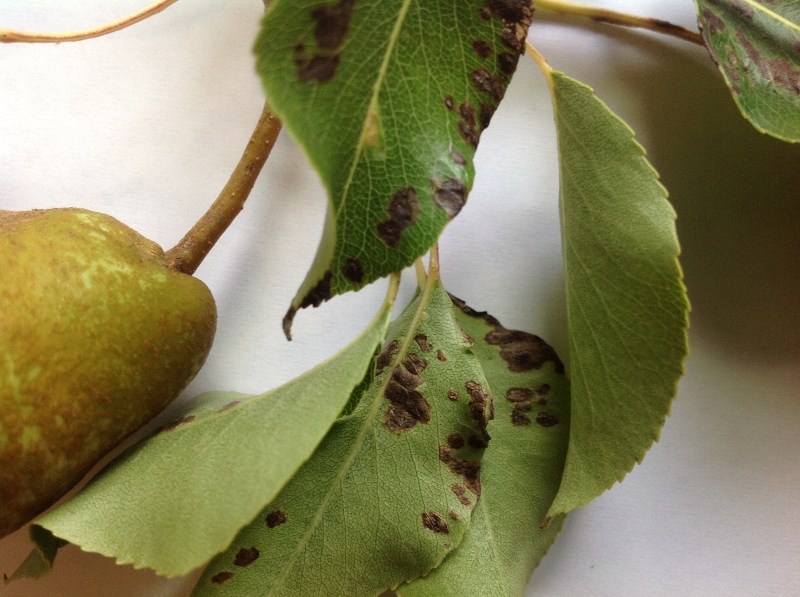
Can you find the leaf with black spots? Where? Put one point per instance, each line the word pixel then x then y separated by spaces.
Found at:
pixel 520 473
pixel 174 501
pixel 387 494
pixel 756 46
pixel 388 98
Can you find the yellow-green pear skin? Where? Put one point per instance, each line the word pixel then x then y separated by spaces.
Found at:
pixel 97 335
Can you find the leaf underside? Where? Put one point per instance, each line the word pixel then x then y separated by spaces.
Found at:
pixel 521 468
pixel 174 501
pixel 756 46
pixel 626 304
pixel 40 561
pixel 388 98
pixel 383 499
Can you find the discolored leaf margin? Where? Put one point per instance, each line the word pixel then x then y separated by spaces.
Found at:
pixel 626 303
pixel 521 468
pixel 757 49
pixel 390 490
pixel 388 98
pixel 174 501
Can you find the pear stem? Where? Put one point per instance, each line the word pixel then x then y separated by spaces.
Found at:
pixel 189 253
pixel 10 36
pixel 613 17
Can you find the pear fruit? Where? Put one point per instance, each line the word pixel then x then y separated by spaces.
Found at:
pixel 97 335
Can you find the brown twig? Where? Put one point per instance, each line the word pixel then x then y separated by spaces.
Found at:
pixel 11 36
pixel 189 253
pixel 613 17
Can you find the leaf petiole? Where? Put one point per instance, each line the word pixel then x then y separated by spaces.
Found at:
pixel 11 36
pixel 613 17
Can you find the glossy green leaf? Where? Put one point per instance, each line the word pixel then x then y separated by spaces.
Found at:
pixel 384 498
pixel 756 45
pixel 521 468
pixel 40 561
pixel 626 304
pixel 177 499
pixel 388 98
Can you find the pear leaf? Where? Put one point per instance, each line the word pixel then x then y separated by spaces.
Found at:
pixel 756 46
pixel 40 561
pixel 626 303
pixel 384 498
pixel 174 501
pixel 521 469
pixel 388 98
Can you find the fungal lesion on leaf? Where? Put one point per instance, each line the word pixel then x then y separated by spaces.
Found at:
pixel 403 210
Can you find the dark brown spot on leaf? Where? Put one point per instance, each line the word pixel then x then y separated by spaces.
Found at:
pixel 520 398
pixel 512 11
pixel 543 389
pixel 451 196
pixel 449 103
pixel 485 82
pixel 174 424
pixel 461 494
pixel 246 556
pixel 441 356
pixel 743 9
pixel 458 157
pixel 777 70
pixel 715 24
pixel 445 454
pixel 519 418
pixel 321 68
pixel 455 515
pixel 523 351
pixel 455 441
pixel 487 111
pixel 333 21
pixel 433 521
pixel 509 38
pixel 300 46
pixel 385 358
pixel 276 518
pixel 407 406
pixel 353 270
pixel 546 419
pixel 507 62
pixel 453 395
pixel 221 578
pixel 415 364
pixel 320 293
pixel 484 13
pixel 402 210
pixel 471 473
pixel 422 342
pixel 230 405
pixel 476 442
pixel 467 125
pixel 482 48
pixel 477 403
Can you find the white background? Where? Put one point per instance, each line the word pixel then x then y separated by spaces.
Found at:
pixel 147 124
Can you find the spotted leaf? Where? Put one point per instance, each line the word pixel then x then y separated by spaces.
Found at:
pixel 756 45
pixel 521 469
pixel 388 98
pixel 390 490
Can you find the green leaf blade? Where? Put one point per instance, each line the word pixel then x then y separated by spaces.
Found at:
pixel 756 46
pixel 626 304
pixel 521 472
pixel 174 501
pixel 388 98
pixel 384 498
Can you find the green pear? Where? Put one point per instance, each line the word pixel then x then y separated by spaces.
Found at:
pixel 97 335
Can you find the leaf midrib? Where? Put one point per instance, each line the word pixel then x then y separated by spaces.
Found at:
pixel 781 19
pixel 373 103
